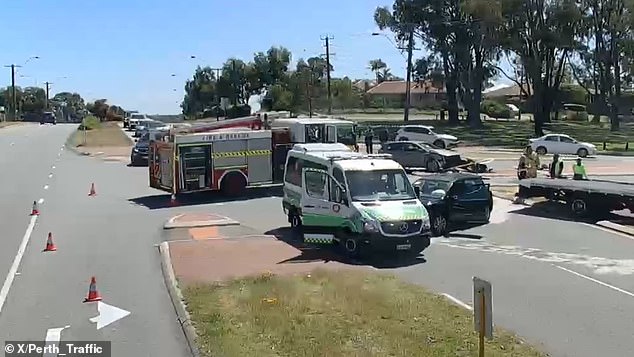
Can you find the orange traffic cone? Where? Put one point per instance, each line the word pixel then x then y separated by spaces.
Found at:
pixel 92 192
pixel 34 210
pixel 50 246
pixel 93 294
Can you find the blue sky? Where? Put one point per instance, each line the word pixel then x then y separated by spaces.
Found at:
pixel 126 50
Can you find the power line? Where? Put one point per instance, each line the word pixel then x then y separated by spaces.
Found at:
pixel 328 67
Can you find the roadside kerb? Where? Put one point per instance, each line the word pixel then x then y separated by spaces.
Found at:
pixel 616 227
pixel 177 299
pixel 191 220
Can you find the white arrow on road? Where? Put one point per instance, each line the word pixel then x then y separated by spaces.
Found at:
pixel 108 314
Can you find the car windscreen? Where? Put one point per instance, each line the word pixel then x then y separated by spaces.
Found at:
pixel 471 189
pixel 379 185
pixel 429 186
pixel 137 116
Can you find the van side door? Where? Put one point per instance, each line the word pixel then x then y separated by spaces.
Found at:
pixel 321 217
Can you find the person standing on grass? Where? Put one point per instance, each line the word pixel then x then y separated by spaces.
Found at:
pixel 579 171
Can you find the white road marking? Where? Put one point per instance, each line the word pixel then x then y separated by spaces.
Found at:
pixel 53 167
pixel 59 154
pixel 107 315
pixel 599 265
pixel 46 187
pixel 458 302
pixel 597 281
pixel 50 175
pixel 11 144
pixel 53 336
pixel 16 262
pixel 608 230
pixel 40 201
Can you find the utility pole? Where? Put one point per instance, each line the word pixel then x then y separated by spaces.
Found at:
pixel 48 84
pixel 235 82
pixel 328 67
pixel 408 83
pixel 14 99
pixel 309 92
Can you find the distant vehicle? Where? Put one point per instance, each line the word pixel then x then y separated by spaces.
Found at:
pixel 427 135
pixel 454 198
pixel 134 120
pixel 561 144
pixel 148 124
pixel 48 118
pixel 412 154
pixel 139 154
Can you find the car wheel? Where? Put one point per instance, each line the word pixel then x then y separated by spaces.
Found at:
pixel 432 166
pixel 579 207
pixel 541 150
pixel 438 225
pixel 582 152
pixel 351 247
pixel 439 144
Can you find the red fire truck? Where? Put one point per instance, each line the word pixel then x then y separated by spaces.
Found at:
pixel 230 155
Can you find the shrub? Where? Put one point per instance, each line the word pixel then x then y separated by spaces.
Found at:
pixel 495 109
pixel 89 123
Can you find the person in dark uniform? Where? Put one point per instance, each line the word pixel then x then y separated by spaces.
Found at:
pixel 369 138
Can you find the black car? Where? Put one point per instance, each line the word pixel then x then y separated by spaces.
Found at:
pixel 139 154
pixel 48 118
pixel 453 199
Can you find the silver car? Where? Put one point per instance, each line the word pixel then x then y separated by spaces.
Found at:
pixel 419 155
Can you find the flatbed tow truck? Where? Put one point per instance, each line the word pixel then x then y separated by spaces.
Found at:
pixel 585 197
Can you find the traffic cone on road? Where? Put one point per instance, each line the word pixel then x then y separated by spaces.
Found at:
pixel 50 246
pixel 92 192
pixel 35 211
pixel 93 294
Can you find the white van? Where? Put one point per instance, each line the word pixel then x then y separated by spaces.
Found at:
pixel 363 202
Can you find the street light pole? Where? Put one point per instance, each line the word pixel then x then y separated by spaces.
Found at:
pixel 14 100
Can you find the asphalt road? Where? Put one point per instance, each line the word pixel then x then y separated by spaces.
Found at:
pixel 106 236
pixel 565 286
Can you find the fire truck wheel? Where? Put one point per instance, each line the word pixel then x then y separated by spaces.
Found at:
pixel 233 184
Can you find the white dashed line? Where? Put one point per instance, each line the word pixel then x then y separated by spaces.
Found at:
pixel 11 144
pixel 458 302
pixel 630 294
pixel 40 201
pixel 59 154
pixel 46 187
pixel 53 167
pixel 50 175
pixel 13 271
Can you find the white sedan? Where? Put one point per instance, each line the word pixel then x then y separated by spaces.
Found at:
pixel 562 144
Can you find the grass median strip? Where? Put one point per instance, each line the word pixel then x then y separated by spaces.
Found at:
pixel 335 313
pixel 515 134
pixel 99 134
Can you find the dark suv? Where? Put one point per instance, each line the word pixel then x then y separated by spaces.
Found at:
pixel 454 198
pixel 48 118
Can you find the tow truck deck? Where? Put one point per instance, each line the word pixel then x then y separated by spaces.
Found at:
pixel 584 196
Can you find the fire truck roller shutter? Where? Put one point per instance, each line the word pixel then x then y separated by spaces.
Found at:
pixel 230 153
pixel 259 160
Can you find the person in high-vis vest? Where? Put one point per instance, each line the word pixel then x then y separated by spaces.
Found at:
pixel 579 171
pixel 556 167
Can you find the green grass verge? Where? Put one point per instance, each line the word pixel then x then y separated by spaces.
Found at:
pixel 515 134
pixel 335 313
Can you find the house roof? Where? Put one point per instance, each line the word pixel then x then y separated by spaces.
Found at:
pixel 399 87
pixel 508 91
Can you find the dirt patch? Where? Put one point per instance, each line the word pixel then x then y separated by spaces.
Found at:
pixel 4 124
pixel 108 140
pixel 504 192
pixel 217 260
